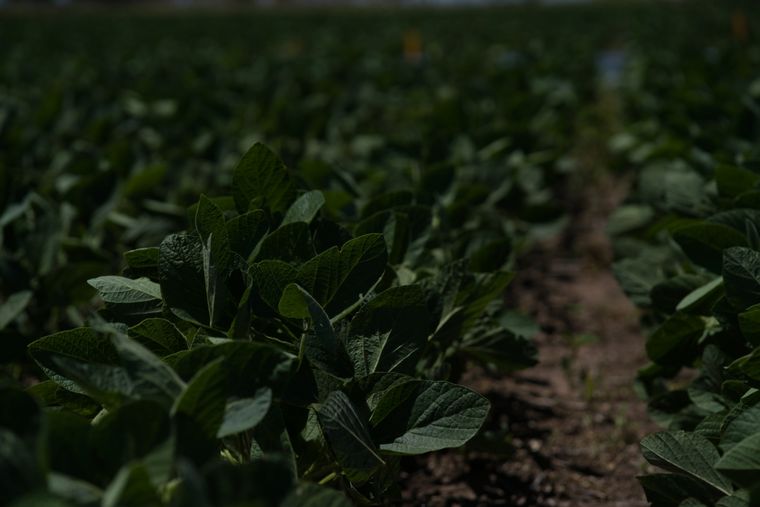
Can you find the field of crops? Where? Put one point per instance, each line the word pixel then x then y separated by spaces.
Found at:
pixel 335 257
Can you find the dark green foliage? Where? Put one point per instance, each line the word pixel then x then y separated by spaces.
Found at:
pixel 316 366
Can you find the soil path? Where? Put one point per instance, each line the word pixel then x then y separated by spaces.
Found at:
pixel 575 419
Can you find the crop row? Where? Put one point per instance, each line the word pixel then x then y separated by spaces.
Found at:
pixel 687 245
pixel 191 318
pixel 265 335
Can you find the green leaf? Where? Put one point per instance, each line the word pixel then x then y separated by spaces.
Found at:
pixel 141 427
pixel 70 448
pixel 263 483
pixel 19 470
pixel 740 426
pixel 216 254
pixel 131 487
pixel 387 201
pixel 733 501
pixel 271 277
pixel 667 294
pixel 737 218
pixel 308 494
pixel 159 336
pixel 305 208
pixel 209 219
pixel 244 414
pixel 686 453
pixel 628 218
pixel 20 414
pixel 13 306
pixel 424 416
pixel 109 368
pixel 182 277
pixel 477 295
pixel 204 399
pixel 691 502
pixel 749 323
pixel 77 491
pixel 749 364
pixel 40 499
pixel 94 352
pixel 348 437
pixel 705 242
pixel 250 365
pixel 120 290
pixel 733 181
pixel 389 333
pixel 742 462
pixel 149 377
pixel 741 272
pixel 290 242
pixel 338 278
pixel 674 342
pixel 246 230
pixel 502 348
pixel 322 347
pixel 128 299
pixel 491 256
pixel 141 262
pixel 142 258
pixel 261 174
pixel 700 300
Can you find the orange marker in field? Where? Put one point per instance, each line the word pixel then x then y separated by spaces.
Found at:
pixel 412 46
pixel 740 26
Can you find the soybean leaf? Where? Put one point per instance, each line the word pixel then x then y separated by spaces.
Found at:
pixel 742 462
pixel 19 471
pixel 142 258
pixel 131 487
pixel 271 277
pixel 749 323
pixel 424 416
pixel 290 242
pixel 203 400
pixel 741 272
pixel 13 307
pixel 732 180
pixel 120 290
pixel 244 414
pixel 264 482
pixel 127 298
pixel 181 274
pixel 246 230
pixel 348 437
pixel 688 454
pixel 199 411
pixel 159 336
pixel 705 242
pixel 337 278
pixel 389 332
pixel 150 378
pixel 673 343
pixel 321 347
pixel 741 426
pixel 502 348
pixel 308 494
pixel 261 174
pixel 78 355
pixel 141 426
pixel 142 262
pixel 249 365
pixel 305 208
pixel 700 300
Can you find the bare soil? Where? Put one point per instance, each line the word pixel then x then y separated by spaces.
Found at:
pixel 575 419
